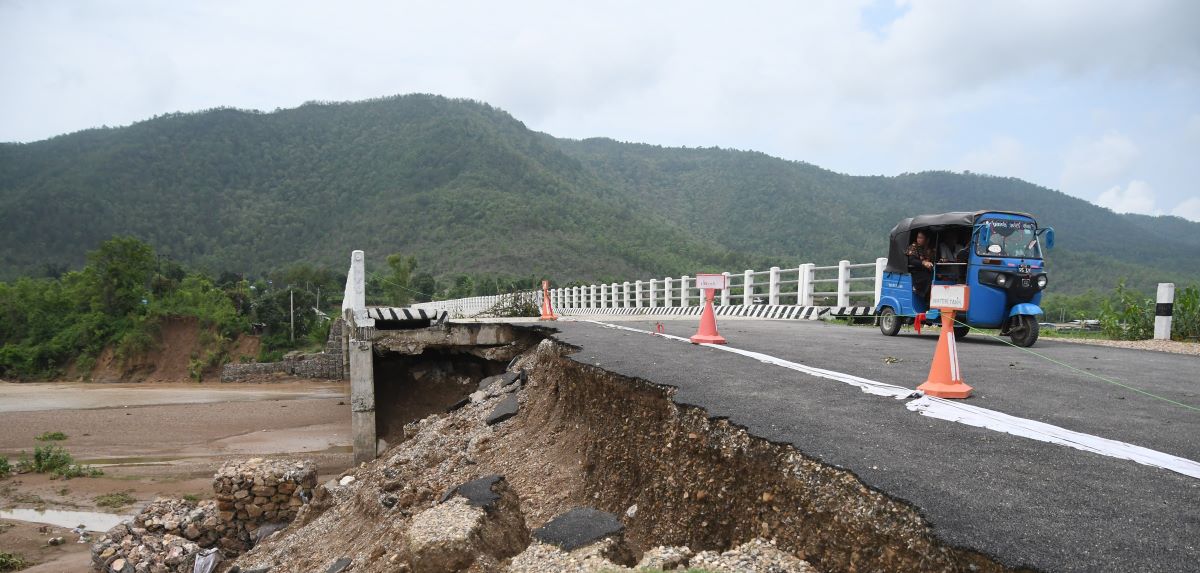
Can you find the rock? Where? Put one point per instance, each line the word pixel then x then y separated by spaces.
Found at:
pixel 118 565
pixel 477 397
pixel 665 558
pixel 459 404
pixel 506 409
pixel 56 541
pixel 191 532
pixel 453 535
pixel 263 490
pixel 339 565
pixel 579 527
pixel 346 481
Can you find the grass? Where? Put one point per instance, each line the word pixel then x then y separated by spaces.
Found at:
pixel 51 437
pixel 5 468
pixel 191 497
pixel 11 562
pixel 114 500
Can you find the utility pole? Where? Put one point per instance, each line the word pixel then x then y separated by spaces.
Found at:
pixel 292 312
pixel 318 297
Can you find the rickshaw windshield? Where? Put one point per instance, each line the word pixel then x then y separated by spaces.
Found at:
pixel 1010 238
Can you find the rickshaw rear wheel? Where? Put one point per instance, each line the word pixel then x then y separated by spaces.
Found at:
pixel 1024 330
pixel 889 323
pixel 961 331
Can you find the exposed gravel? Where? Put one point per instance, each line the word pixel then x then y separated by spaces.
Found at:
pixel 1173 346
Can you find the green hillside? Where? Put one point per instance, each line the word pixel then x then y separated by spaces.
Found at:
pixel 467 188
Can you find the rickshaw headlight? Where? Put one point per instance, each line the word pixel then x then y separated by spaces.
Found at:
pixel 1001 279
pixel 1041 281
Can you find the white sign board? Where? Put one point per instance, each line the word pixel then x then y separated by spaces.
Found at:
pixel 948 297
pixel 711 281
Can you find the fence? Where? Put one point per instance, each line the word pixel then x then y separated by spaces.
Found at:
pixel 842 285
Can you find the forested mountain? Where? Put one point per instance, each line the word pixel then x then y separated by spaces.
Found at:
pixel 466 187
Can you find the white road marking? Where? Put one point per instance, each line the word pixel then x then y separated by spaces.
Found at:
pixel 962 413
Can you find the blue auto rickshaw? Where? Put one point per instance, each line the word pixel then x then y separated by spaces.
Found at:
pixel 997 254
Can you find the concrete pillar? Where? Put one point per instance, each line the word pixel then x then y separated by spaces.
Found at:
pixel 747 287
pixel 773 287
pixel 725 291
pixel 594 291
pixel 625 290
pixel 1163 311
pixel 356 280
pixel 880 265
pixel 637 294
pixel 667 282
pixel 843 292
pixel 805 292
pixel 684 285
pixel 653 294
pixel 603 296
pixel 362 400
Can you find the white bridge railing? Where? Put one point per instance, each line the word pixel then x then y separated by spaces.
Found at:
pixel 842 285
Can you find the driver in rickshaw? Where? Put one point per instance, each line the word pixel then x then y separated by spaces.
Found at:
pixel 920 266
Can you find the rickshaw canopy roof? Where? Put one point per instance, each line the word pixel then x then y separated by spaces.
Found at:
pixel 898 243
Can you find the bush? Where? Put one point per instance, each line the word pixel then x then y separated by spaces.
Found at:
pixel 5 469
pixel 515 304
pixel 1185 322
pixel 53 459
pixel 1128 316
pixel 51 437
pixel 11 562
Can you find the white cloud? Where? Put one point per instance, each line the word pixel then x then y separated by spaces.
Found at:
pixel 1137 197
pixel 1188 209
pixel 1004 156
pixel 1097 163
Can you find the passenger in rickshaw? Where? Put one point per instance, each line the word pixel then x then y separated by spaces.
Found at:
pixel 920 266
pixel 952 256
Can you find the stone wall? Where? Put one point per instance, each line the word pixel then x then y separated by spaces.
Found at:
pixel 329 364
pixel 257 492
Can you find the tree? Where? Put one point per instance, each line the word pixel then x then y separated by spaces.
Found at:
pixel 116 280
pixel 398 283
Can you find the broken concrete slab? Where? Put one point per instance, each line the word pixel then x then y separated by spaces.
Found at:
pixel 506 409
pixel 504 380
pixel 579 527
pixel 457 533
pixel 479 493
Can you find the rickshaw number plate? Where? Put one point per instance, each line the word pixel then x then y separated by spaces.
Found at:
pixel 948 297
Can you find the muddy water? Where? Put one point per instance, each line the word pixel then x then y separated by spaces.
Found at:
pixel 78 396
pixel 90 520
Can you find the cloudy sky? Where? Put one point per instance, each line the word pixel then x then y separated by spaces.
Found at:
pixel 1097 98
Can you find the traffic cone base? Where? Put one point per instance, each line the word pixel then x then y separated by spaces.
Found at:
pixel 707 333
pixel 945 379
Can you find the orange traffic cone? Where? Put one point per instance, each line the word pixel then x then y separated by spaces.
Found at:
pixel 707 334
pixel 547 310
pixel 945 380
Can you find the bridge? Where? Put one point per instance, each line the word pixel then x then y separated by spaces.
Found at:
pixel 1068 457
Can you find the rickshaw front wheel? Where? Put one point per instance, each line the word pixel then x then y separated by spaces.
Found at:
pixel 889 323
pixel 961 331
pixel 1024 330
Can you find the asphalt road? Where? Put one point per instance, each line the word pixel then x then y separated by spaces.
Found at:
pixel 1025 503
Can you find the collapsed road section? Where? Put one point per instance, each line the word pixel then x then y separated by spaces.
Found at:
pixel 535 437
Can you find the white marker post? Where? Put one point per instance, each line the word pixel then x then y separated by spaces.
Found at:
pixel 1163 311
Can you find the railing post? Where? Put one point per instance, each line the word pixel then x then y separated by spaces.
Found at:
pixel 805 291
pixel 773 287
pixel 880 265
pixel 614 300
pixel 653 294
pixel 747 287
pixel 667 292
pixel 575 297
pixel 625 290
pixel 843 292
pixel 637 294
pixel 724 291
pixel 603 296
pixel 594 292
pixel 1163 311
pixel 683 290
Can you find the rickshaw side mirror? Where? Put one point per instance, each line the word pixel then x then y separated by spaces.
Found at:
pixel 1049 236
